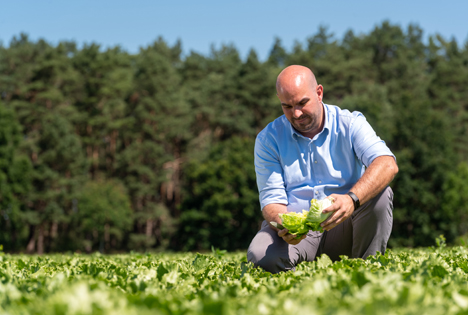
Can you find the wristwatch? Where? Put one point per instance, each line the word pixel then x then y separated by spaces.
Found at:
pixel 356 202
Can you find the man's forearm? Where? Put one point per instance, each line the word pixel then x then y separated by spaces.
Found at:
pixel 270 212
pixel 376 177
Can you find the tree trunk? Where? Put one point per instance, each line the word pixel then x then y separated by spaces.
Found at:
pixel 53 230
pixel 106 236
pixel 32 240
pixel 40 241
pixel 149 228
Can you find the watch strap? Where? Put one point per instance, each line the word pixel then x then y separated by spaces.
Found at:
pixel 355 198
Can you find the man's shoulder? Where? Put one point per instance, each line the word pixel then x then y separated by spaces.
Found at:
pixel 339 116
pixel 277 128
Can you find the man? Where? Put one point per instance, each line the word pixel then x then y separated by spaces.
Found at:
pixel 316 151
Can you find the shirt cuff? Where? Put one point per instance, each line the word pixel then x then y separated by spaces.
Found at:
pixel 273 196
pixel 376 150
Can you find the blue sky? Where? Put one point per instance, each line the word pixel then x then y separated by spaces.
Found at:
pixel 200 24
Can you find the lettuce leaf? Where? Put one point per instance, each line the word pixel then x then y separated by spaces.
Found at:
pixel 315 215
pixel 300 223
pixel 295 222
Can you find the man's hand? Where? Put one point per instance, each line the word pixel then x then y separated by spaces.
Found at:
pixel 270 213
pixel 376 177
pixel 289 238
pixel 343 207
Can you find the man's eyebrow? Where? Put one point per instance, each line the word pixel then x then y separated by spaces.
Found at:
pixel 304 100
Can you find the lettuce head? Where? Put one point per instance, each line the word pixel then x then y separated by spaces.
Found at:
pixel 295 222
pixel 315 215
pixel 300 223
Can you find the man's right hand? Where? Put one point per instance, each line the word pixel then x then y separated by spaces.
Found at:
pixel 289 238
pixel 270 213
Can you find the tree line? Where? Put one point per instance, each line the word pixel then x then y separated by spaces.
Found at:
pixel 105 150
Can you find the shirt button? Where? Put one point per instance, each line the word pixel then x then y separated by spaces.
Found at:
pixel 315 162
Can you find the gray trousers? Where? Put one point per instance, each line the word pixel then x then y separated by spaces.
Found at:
pixel 363 234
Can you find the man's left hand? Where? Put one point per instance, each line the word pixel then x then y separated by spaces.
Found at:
pixel 343 207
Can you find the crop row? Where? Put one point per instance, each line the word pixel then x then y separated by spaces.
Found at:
pixel 417 281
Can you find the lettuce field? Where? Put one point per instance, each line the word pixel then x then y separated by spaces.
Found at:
pixel 410 281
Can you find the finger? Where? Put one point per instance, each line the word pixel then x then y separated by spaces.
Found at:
pixel 283 232
pixel 330 224
pixel 295 240
pixel 333 207
pixel 332 197
pixel 332 220
pixel 337 221
pixel 290 238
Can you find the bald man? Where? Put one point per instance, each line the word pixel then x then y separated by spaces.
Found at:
pixel 316 151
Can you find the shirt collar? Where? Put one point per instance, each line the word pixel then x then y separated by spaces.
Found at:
pixel 326 127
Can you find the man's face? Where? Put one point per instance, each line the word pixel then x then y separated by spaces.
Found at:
pixel 302 106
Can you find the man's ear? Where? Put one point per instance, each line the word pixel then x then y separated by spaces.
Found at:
pixel 319 91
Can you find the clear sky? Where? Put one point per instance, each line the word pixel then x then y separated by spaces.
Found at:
pixel 202 23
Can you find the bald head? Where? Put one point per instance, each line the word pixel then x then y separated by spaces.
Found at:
pixel 301 99
pixel 294 78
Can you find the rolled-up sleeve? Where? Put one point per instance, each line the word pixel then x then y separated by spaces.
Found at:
pixel 367 145
pixel 269 172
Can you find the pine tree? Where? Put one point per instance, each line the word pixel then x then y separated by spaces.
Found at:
pixel 15 182
pixel 154 144
pixel 221 206
pixel 43 84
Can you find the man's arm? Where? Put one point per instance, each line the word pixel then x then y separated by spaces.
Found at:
pixel 271 213
pixel 376 177
pixel 270 183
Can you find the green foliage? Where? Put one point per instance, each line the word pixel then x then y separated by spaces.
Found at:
pixel 221 207
pixel 454 208
pixel 440 241
pixel 102 215
pixel 15 181
pixel 421 281
pixel 177 131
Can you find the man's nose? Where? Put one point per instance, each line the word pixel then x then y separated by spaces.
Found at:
pixel 297 112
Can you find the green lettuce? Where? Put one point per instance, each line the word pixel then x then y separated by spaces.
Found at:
pixel 300 223
pixel 315 215
pixel 295 222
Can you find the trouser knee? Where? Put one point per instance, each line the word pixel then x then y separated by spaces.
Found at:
pixel 271 263
pixel 381 205
pixel 272 259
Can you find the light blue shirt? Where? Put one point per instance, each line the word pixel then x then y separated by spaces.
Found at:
pixel 293 169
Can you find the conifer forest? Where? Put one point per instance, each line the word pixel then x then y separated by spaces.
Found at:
pixel 103 150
